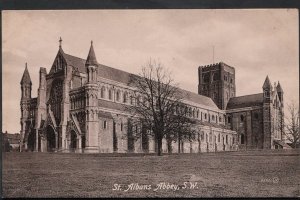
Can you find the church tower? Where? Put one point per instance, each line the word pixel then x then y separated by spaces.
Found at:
pixel 281 109
pixel 280 93
pixel 217 81
pixel 91 89
pixel 267 113
pixel 26 87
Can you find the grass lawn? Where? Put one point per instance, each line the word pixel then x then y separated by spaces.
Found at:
pixel 223 174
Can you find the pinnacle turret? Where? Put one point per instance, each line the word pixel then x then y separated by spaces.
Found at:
pixel 91 59
pixel 26 77
pixel 267 84
pixel 278 88
pixel 60 45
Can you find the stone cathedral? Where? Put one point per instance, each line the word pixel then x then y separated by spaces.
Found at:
pixel 81 103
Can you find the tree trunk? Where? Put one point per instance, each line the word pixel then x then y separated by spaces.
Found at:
pixel 159 148
pixel 170 147
pixel 179 144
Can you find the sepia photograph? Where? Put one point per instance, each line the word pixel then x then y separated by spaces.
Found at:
pixel 150 103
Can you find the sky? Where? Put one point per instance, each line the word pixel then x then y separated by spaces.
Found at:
pixel 256 42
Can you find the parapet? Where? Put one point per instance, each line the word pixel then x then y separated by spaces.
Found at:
pixel 210 65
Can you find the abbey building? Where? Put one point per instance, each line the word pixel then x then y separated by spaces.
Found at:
pixel 81 103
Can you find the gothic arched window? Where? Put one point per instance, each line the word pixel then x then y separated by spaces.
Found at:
pixel 216 76
pixel 242 139
pixel 242 118
pixel 229 119
pixel 110 94
pixel 102 92
pixel 118 95
pixel 56 96
pixel 131 100
pixel 125 96
pixel 206 77
pixel 226 139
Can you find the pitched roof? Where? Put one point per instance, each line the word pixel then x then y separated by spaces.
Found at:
pixel 111 105
pixel 213 125
pixel 26 77
pixel 105 115
pixel 126 78
pixel 115 74
pixel 196 98
pixel 91 59
pixel 245 101
pixel 267 83
pixel 75 62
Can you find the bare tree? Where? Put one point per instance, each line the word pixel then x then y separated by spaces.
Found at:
pixel 292 125
pixel 158 110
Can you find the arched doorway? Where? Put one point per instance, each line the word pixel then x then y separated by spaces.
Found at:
pixel 31 141
pixel 50 135
pixel 73 143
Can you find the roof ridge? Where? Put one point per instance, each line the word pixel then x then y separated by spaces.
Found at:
pixel 247 95
pixel 74 56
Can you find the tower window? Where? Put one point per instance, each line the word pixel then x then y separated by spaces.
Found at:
pixel 242 118
pixel 205 116
pixel 220 119
pixel 216 76
pixel 267 94
pixel 104 124
pixel 229 119
pixel 255 115
pixel 242 139
pixel 206 77
pixel 231 80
